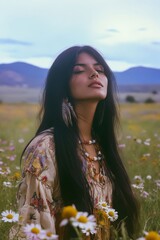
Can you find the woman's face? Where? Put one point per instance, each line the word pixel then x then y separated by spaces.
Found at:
pixel 88 81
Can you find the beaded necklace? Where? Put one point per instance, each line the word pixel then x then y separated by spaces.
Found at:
pixel 86 154
pixel 99 178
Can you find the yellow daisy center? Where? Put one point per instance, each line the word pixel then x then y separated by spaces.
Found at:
pixel 104 204
pixel 111 214
pixel 35 230
pixel 49 234
pixel 17 175
pixel 137 181
pixel 102 214
pixel 69 212
pixel 9 216
pixel 153 236
pixel 83 219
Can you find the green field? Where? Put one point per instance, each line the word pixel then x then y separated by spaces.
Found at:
pixel 139 143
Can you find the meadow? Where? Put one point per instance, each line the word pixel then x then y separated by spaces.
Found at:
pixel 139 144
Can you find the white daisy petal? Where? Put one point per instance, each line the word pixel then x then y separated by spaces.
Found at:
pixel 10 216
pixel 64 222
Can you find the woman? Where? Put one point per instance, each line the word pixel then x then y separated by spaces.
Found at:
pixel 73 159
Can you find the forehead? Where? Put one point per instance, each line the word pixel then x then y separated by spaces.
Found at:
pixel 85 58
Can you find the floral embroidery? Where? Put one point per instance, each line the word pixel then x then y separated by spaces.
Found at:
pixel 32 216
pixel 44 179
pixel 37 202
pixel 54 207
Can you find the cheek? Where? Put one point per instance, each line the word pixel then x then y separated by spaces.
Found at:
pixel 75 88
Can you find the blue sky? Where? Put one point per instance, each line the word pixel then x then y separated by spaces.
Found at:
pixel 126 32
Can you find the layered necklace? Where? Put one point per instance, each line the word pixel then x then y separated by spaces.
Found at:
pixel 98 177
pixel 85 154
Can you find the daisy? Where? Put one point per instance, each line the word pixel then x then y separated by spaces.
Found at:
pixel 103 205
pixel 85 222
pixel 87 232
pixel 144 194
pixel 152 235
pixel 7 184
pixel 48 235
pixel 68 213
pixel 148 177
pixel 138 186
pixel 112 214
pixel 21 140
pixel 32 231
pixel 10 216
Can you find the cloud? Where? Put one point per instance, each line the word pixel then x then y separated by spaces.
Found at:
pixel 112 30
pixel 134 53
pixel 156 43
pixel 142 29
pixel 10 41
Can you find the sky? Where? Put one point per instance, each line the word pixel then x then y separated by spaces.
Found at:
pixel 125 32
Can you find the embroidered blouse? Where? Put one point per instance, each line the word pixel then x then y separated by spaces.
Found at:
pixel 39 196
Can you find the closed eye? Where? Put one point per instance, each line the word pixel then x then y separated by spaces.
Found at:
pixel 100 70
pixel 77 71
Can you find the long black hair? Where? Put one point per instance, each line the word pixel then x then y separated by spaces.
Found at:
pixel 73 185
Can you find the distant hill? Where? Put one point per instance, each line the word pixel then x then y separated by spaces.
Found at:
pixel 26 75
pixel 22 74
pixel 138 75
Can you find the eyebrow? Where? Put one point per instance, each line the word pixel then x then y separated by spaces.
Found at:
pixel 83 64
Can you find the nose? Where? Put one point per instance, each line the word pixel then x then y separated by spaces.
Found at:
pixel 93 74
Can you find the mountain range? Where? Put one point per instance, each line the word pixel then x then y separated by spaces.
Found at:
pixel 26 75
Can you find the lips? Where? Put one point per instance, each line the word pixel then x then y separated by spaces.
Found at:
pixel 95 84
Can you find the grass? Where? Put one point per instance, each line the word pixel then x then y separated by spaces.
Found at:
pixel 139 146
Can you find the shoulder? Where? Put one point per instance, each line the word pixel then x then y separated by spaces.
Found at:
pixel 42 140
pixel 39 153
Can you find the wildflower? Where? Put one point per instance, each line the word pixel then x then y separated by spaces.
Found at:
pixel 128 137
pixel 87 232
pixel 83 221
pixel 12 158
pixel 7 184
pixel 157 183
pixel 152 235
pixel 2 150
pixel 144 194
pixel 48 235
pixel 16 176
pixel 103 205
pixel 139 186
pixel 11 148
pixel 112 214
pixel 146 154
pixel 17 167
pixel 147 141
pixel 149 177
pixel 138 182
pixel 138 179
pixel 68 213
pixel 5 171
pixel 21 140
pixel 101 216
pixel 32 231
pixel 138 140
pixel 10 216
pixel 122 145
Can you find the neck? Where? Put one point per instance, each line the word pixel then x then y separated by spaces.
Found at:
pixel 85 113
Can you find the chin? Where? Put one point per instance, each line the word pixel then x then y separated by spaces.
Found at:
pixel 100 97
